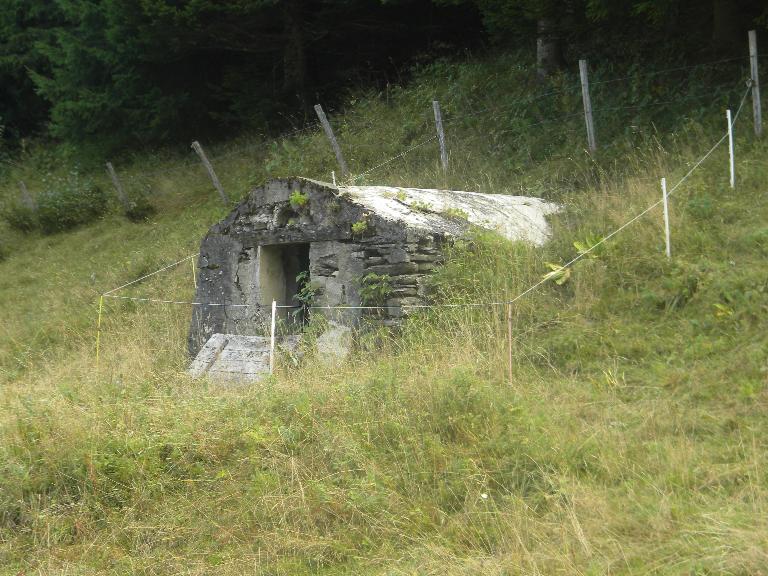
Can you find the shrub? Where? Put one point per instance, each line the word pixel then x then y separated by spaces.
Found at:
pixel 298 200
pixel 69 203
pixel 456 213
pixel 360 227
pixel 375 289
pixel 21 218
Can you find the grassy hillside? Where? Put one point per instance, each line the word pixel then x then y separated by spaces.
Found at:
pixel 630 440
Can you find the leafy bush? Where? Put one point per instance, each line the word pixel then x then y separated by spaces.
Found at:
pixel 20 217
pixel 69 202
pixel 298 200
pixel 360 227
pixel 375 289
pixel 456 213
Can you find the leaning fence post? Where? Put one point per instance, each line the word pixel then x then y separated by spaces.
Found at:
pixel 272 339
pixel 591 140
pixel 665 198
pixel 440 134
pixel 730 148
pixel 118 186
pixel 26 198
pixel 332 137
pixel 215 179
pixel 756 109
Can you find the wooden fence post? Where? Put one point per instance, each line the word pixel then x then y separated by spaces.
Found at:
pixel 215 179
pixel 591 140
pixel 118 186
pixel 26 198
pixel 332 137
pixel 756 109
pixel 440 134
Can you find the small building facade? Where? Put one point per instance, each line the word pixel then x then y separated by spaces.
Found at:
pixel 295 233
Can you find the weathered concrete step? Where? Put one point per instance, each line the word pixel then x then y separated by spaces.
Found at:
pixel 235 358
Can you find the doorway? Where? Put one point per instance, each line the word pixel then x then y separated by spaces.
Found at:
pixel 283 272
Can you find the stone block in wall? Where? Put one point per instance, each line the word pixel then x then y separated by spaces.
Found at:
pixel 394 269
pixel 423 257
pixel 406 280
pixel 396 256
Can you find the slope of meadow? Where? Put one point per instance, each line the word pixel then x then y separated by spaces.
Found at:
pixel 631 438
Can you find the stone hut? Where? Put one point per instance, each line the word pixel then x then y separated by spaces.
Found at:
pixel 293 231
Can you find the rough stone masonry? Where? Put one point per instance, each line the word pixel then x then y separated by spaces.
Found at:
pixel 296 232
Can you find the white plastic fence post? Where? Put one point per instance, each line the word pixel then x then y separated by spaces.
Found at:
pixel 666 216
pixel 756 109
pixel 215 179
pixel 591 140
pixel 730 148
pixel 440 134
pixel 272 339
pixel 332 137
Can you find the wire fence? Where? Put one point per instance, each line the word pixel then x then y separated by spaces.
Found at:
pixel 398 309
pixel 460 112
pixel 570 263
pixel 520 122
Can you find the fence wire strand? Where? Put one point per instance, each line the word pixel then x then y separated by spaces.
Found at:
pixel 513 300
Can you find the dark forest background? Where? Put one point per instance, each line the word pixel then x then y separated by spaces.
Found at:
pixel 147 72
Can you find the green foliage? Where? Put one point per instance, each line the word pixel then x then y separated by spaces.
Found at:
pixel 298 200
pixel 69 202
pixel 701 207
pixel 421 206
pixel 104 73
pixel 558 273
pixel 360 227
pixel 307 291
pixel 375 289
pixel 592 246
pixel 420 454
pixel 680 284
pixel 21 217
pixel 457 213
pixel 23 24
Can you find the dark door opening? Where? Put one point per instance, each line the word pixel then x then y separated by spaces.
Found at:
pixel 283 277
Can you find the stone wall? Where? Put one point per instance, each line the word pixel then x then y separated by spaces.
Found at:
pixel 230 271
